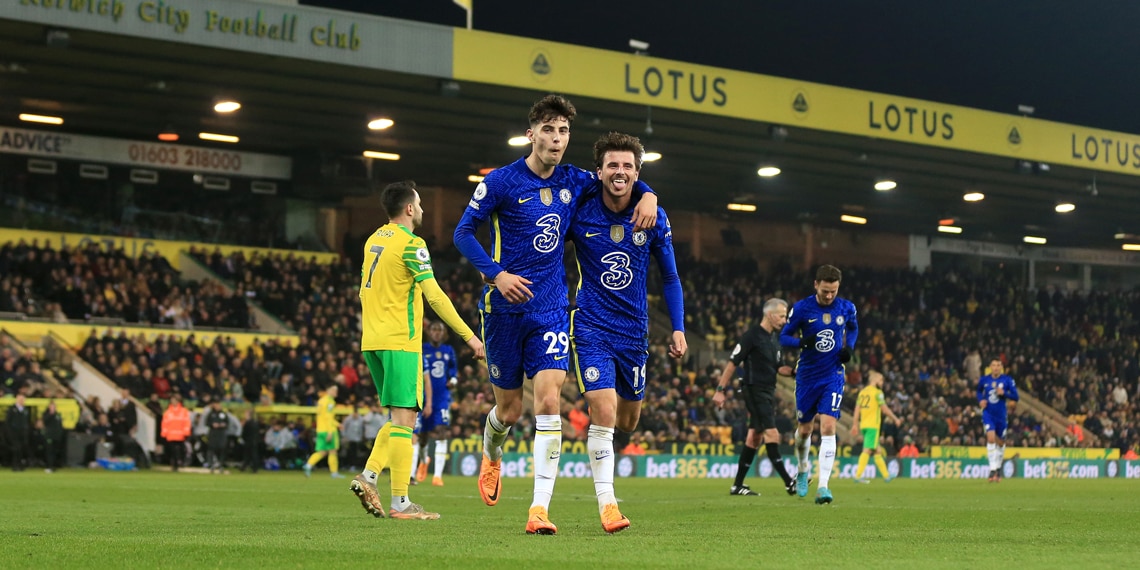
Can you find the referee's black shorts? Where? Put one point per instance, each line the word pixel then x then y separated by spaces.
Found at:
pixel 761 404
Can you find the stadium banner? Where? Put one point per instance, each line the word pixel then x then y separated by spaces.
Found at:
pixel 979 452
pixel 300 32
pixel 1060 468
pixel 162 156
pixel 68 409
pixel 639 79
pixel 134 246
pixel 76 334
pixel 657 466
pixel 1126 468
pixel 466 463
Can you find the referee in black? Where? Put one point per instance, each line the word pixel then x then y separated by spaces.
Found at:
pixel 760 349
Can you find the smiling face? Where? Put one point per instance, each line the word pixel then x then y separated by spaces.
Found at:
pixel 618 173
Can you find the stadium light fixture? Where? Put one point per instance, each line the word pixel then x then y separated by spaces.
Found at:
pixel 474 178
pixel 45 119
pixel 380 124
pixel 168 134
pixel 218 137
pixel 742 207
pixel 1034 240
pixel 520 140
pixel 1130 247
pixel 885 185
pixel 651 157
pixel 486 171
pixel 768 171
pixel 950 229
pixel 1064 207
pixel 381 155
pixel 973 196
pixel 226 106
pixel 852 219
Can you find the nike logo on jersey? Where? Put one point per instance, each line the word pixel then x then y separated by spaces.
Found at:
pixel 560 357
pixel 525 200
pixel 589 235
pixel 812 320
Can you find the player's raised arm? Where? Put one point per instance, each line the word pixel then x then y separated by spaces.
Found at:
pixel 646 212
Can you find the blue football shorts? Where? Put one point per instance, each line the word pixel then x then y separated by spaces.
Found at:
pixel 519 345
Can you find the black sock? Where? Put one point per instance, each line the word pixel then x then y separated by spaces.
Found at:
pixel 746 456
pixel 777 461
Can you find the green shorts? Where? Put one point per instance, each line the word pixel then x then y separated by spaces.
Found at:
pixel 870 439
pixel 325 443
pixel 398 376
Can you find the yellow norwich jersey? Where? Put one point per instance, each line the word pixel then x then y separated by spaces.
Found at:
pixel 391 299
pixel 326 419
pixel 870 403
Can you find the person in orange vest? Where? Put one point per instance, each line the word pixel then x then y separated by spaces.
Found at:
pixel 175 430
pixel 1130 454
pixel 910 449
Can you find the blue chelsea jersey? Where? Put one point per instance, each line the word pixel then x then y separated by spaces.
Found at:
pixel 440 366
pixel 995 404
pixel 833 326
pixel 614 263
pixel 529 217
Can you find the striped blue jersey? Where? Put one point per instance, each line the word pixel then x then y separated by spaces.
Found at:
pixel 833 326
pixel 613 261
pixel 440 365
pixel 528 216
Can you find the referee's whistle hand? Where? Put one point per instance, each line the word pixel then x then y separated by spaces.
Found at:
pixel 513 288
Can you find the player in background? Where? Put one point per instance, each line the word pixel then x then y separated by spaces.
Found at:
pixel 869 408
pixel 609 328
pixel 441 371
pixel 529 204
pixel 994 391
pixel 760 349
pixel 827 327
pixel 396 277
pixel 328 435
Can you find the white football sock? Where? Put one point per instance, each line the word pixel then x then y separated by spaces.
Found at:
pixel 370 476
pixel 600 446
pixel 440 456
pixel 494 434
pixel 803 451
pixel 826 459
pixel 547 453
pixel 990 447
pixel 999 457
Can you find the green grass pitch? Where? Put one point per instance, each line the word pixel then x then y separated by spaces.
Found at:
pixel 80 519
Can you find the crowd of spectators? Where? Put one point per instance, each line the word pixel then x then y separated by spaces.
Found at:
pixel 89 282
pixel 932 335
